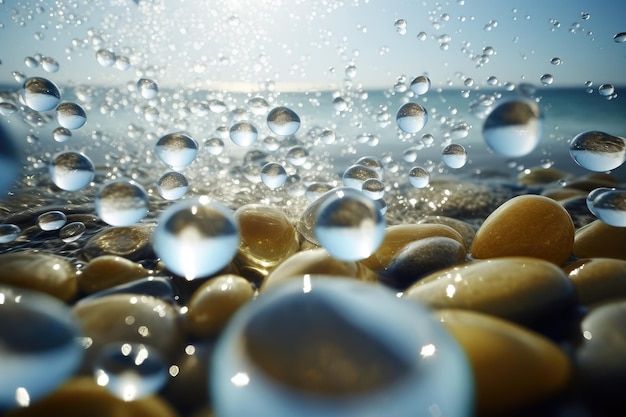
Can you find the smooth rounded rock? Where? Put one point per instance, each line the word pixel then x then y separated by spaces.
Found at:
pixel 598 280
pixel 527 225
pixel 466 230
pixel 108 271
pixel 599 240
pixel 132 242
pixel 519 289
pixel 214 303
pixel 39 271
pixel 513 367
pixel 540 176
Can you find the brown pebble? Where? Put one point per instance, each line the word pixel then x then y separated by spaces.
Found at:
pixel 513 367
pixel 527 225
pixel 599 240
pixel 214 302
pixel 131 242
pixel 82 396
pixel 519 289
pixel 39 271
pixel 598 280
pixel 560 194
pixel 465 229
pixel 540 175
pixel 108 271
pixel 593 181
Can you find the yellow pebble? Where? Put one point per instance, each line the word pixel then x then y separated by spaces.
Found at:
pixel 598 279
pixel 599 240
pixel 108 271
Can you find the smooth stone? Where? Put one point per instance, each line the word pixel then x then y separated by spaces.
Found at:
pixel 513 367
pixel 398 236
pixel 527 225
pixel 541 176
pixel 133 242
pixel 267 239
pixel 519 289
pixel 578 210
pixel 599 240
pixel 318 262
pixel 593 181
pixel 560 194
pixel 598 280
pixel 130 318
pixel 466 230
pixel 82 396
pixel 39 271
pixel 423 257
pixel 108 271
pixel 214 303
pixel 155 286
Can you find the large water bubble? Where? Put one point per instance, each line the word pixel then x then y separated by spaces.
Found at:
pixel 411 117
pixel 620 37
pixel 598 151
pixel 121 202
pixel 349 225
pixel 40 94
pixel 178 150
pixel 196 237
pixel 283 121
pixel 513 129
pixel 608 205
pixel 71 170
pixel 71 115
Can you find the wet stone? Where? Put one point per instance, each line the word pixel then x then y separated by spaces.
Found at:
pixel 528 225
pixel 540 369
pixel 214 302
pixel 599 240
pixel 519 289
pixel 465 229
pixel 108 271
pixel 542 176
pixel 155 286
pixel 38 271
pixel 131 242
pixel 593 181
pixel 598 280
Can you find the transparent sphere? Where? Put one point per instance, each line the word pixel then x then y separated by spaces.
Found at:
pixel 51 220
pixel 355 175
pixel 297 155
pixel 454 156
pixel 40 94
pixel 283 121
pixel 419 177
pixel 273 175
pixel 71 115
pixel 178 150
pixel 71 232
pixel 121 202
pixel 61 134
pixel 148 89
pixel 9 232
pixel 420 85
pixel 243 134
pixel 373 188
pixel 196 237
pixel 71 171
pixel 608 205
pixel 411 117
pixel 598 151
pixel 172 185
pixel 214 146
pixel 349 225
pixel 514 128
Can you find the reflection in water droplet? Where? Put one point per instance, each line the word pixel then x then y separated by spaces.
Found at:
pixel 454 156
pixel 51 220
pixel 71 171
pixel 147 88
pixel 273 175
pixel 50 64
pixel 297 155
pixel 547 79
pixel 71 115
pixel 71 232
pixel 178 150
pixel 620 37
pixel 214 146
pixel 316 190
pixel 105 57
pixel 121 202
pixel 556 61
pixel 419 177
pixel 172 185
pixel 243 134
pixel 340 104
pixel 355 175
pixel 606 90
pixel 40 94
pixel 608 205
pixel 373 188
pixel 598 151
pixel 513 129
pixel 420 85
pixel 411 117
pixel 283 121
pixel 61 134
pixel 9 232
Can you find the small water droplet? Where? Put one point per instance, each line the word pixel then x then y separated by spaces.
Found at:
pixel 51 220
pixel 148 89
pixel 283 121
pixel 547 79
pixel 172 185
pixel 513 129
pixel 419 177
pixel 420 85
pixel 340 104
pixel 71 171
pixel 620 37
pixel 243 134
pixel 297 155
pixel 9 232
pixel 105 57
pixel 556 61
pixel 178 150
pixel 411 117
pixel 40 94
pixel 50 64
pixel 355 175
pixel 608 205
pixel 61 134
pixel 273 175
pixel 71 115
pixel 598 151
pixel 606 90
pixel 454 156
pixel 71 232
pixel 121 202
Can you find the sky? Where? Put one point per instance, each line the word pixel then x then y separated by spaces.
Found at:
pixel 309 45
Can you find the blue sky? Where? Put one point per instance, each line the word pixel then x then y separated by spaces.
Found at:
pixel 240 44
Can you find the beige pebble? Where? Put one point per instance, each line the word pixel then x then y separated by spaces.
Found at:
pixel 599 240
pixel 593 181
pixel 528 225
pixel 39 271
pixel 108 271
pixel 560 194
pixel 466 230
pixel 214 302
pixel 519 289
pixel 598 280
pixel 540 175
pixel 131 242
pixel 513 367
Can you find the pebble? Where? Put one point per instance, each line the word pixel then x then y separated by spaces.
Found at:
pixel 560 194
pixel 593 181
pixel 466 230
pixel 513 367
pixel 542 176
pixel 82 396
pixel 214 302
pixel 39 271
pixel 108 271
pixel 320 262
pixel 520 289
pixel 599 240
pixel 598 280
pixel 267 238
pixel 398 236
pixel 527 225
pixel 133 242
pixel 155 286
pixel 130 318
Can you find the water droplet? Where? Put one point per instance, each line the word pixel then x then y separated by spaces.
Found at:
pixel 411 117
pixel 608 205
pixel 214 146
pixel 51 220
pixel 340 104
pixel 172 185
pixel 130 371
pixel 422 36
pixel 513 129
pixel 355 175
pixel 620 37
pixel 349 225
pixel 148 89
pixel 31 62
pixel 373 188
pixel 283 121
pixel 492 80
pixel 71 115
pixel 243 134
pixel 71 171
pixel 556 61
pixel 419 177
pixel 50 64
pixel 547 79
pixel 258 106
pixel 61 134
pixel 350 71
pixel 7 108
pixel 454 156
pixel 105 57
pixel 273 175
pixel 9 232
pixel 297 155
pixel 585 16
pixel 196 237
pixel 400 26
pixel 121 202
pixel 606 90
pixel 178 150
pixel 40 94
pixel 420 85
pixel 328 137
pixel 71 232
pixel 598 151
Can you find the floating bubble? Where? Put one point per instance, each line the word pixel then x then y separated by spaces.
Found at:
pixel 355 175
pixel 608 205
pixel 271 143
pixel 172 185
pixel 50 64
pixel 422 36
pixel 148 89
pixel 214 146
pixel 420 85
pixel 9 232
pixel 316 190
pixel 121 202
pixel 61 134
pixel 620 37
pixel 178 150
pixel 419 177
pixel 350 71
pixel 340 104
pixel 400 25
pixel 258 106
pixel 38 335
pixel 283 121
pixel 598 151
pixel 556 61
pixel 31 62
pixel 130 371
pixel 196 237
pixel 371 163
pixel 411 117
pixel 492 80
pixel 105 57
pixel 243 134
pixel 71 171
pixel 373 188
pixel 297 155
pixel 273 175
pixel 40 94
pixel 547 79
pixel 513 129
pixel 71 232
pixel 606 90
pixel 71 115
pixel 454 156
pixel 51 220
pixel 410 155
